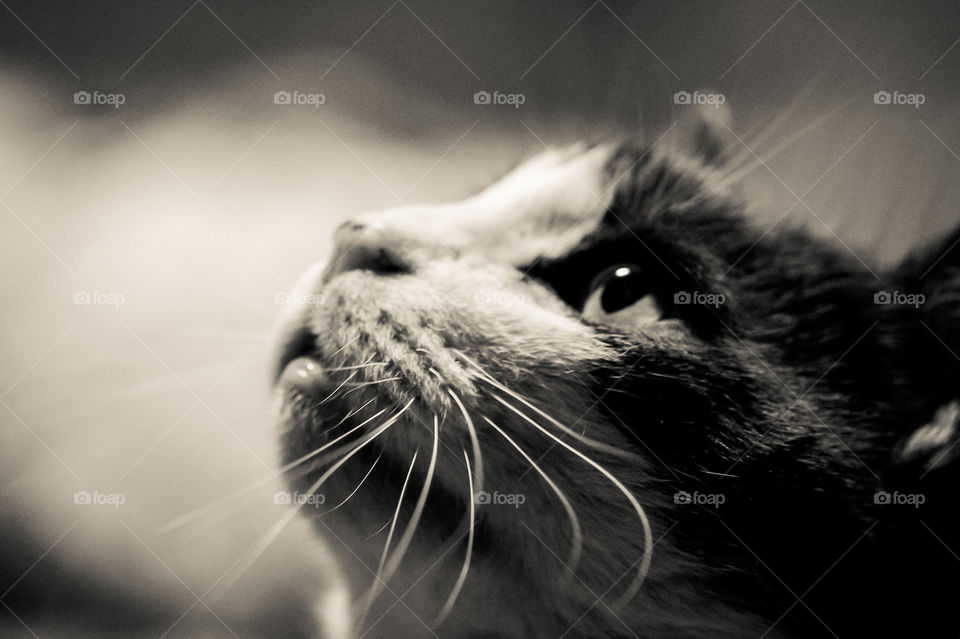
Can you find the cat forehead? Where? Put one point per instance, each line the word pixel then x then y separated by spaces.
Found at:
pixel 542 208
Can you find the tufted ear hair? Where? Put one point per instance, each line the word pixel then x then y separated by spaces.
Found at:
pixel 706 130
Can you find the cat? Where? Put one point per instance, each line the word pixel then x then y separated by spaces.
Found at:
pixel 596 400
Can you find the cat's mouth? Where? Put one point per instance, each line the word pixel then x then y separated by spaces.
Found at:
pixel 331 418
pixel 407 425
pixel 298 346
pixel 336 405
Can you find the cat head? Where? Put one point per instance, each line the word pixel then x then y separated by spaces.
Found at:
pixel 598 378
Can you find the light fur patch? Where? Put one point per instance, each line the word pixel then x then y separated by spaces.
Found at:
pixel 542 208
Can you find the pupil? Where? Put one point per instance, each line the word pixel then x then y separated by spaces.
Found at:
pixel 624 287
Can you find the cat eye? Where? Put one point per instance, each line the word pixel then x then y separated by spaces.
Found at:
pixel 619 289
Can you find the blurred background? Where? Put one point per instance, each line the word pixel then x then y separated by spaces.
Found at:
pixel 168 168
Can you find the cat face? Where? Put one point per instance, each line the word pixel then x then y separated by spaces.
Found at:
pixel 594 378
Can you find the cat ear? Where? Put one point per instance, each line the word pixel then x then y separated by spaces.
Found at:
pixel 929 280
pixel 705 130
pixel 921 308
pixel 934 265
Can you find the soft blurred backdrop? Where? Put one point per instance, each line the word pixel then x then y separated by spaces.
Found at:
pixel 186 211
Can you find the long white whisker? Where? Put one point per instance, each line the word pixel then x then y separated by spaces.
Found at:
pixel 350 368
pixel 378 583
pixel 647 535
pixel 359 385
pixel 355 411
pixel 411 528
pixel 378 531
pixel 354 491
pixel 474 441
pixel 223 511
pixel 462 577
pixel 588 441
pixel 575 532
pixel 610 450
pixel 758 137
pixel 274 531
pixel 336 390
pixel 202 510
pixel 750 167
pixel 344 347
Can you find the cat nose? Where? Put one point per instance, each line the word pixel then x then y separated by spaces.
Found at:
pixel 365 245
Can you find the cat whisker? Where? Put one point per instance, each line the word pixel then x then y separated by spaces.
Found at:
pixel 274 531
pixel 411 528
pixel 758 137
pixel 308 456
pixel 335 390
pixel 462 577
pixel 355 367
pixel 378 582
pixel 378 531
pixel 212 506
pixel 641 514
pixel 354 491
pixel 342 348
pixel 578 436
pixel 355 411
pixel 576 533
pixel 737 174
pixel 474 440
pixel 223 511
pixel 355 385
pixel 358 385
pixel 710 472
